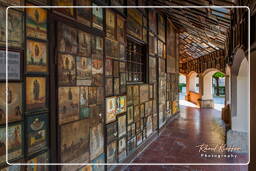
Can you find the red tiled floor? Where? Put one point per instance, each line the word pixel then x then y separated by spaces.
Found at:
pixel 177 143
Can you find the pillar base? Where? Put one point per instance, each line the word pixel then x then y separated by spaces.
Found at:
pixel 238 139
pixel 206 103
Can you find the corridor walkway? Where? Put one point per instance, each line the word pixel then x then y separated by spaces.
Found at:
pixel 179 141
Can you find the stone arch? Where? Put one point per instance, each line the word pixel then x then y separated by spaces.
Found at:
pixel 191 81
pixel 240 121
pixel 240 103
pixel 191 89
pixel 181 78
pixel 227 85
pixel 238 59
pixel 207 96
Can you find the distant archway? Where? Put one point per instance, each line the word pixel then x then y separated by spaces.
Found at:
pixel 192 82
pixel 208 91
pixel 182 86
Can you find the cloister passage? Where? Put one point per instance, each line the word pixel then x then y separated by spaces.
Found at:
pixel 206 89
pixel 127 83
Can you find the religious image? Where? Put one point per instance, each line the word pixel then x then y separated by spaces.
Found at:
pixel 136 95
pixel 36 133
pixel 84 99
pixel 121 51
pixel 75 142
pixel 162 67
pixel 131 144
pixel 92 95
pixel 161 27
pixel 84 14
pixel 120 104
pixel 12 2
pixel 85 168
pixel 110 109
pixel 35 93
pixel 151 91
pixel 122 79
pixel 139 139
pixel 36 23
pixel 97 67
pixel 15 28
pixel 110 24
pixel 149 125
pixel 142 110
pixel 151 44
pixel 161 49
pixel 15 142
pixel 118 3
pixel 100 159
pixel 97 72
pixel 130 116
pixel 14 167
pixel 36 56
pixel 67 38
pixel 67 69
pixel 97 18
pixel 112 152
pixel 100 95
pixel 129 95
pixel 14 102
pixel 84 40
pixel 83 71
pixel 120 29
pixel 97 47
pixel 136 112
pixel 121 125
pixel 68 104
pixel 96 141
pixel 42 158
pixel 152 69
pixel 116 86
pixel 108 67
pixel 121 149
pixel 145 35
pixel 134 23
pixel 109 86
pixel 65 11
pixel 152 21
pixel 85 111
pixel 148 107
pixel 144 93
pixel 122 66
pixel 115 68
pixel 111 48
pixel 111 131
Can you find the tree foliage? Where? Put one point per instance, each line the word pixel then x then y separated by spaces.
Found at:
pixel 218 75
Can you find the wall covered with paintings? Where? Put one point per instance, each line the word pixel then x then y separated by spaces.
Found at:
pixel 27 91
pixel 91 84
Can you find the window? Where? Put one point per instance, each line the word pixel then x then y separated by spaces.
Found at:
pixel 136 62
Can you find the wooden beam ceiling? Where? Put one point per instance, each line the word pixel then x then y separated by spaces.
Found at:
pixel 202 30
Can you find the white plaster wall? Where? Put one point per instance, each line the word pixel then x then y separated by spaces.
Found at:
pixel 228 85
pixel 192 82
pixel 240 122
pixel 207 86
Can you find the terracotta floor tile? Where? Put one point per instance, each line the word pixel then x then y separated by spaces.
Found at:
pixel 177 143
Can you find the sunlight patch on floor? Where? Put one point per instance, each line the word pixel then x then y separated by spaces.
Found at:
pixel 187 103
pixel 218 106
